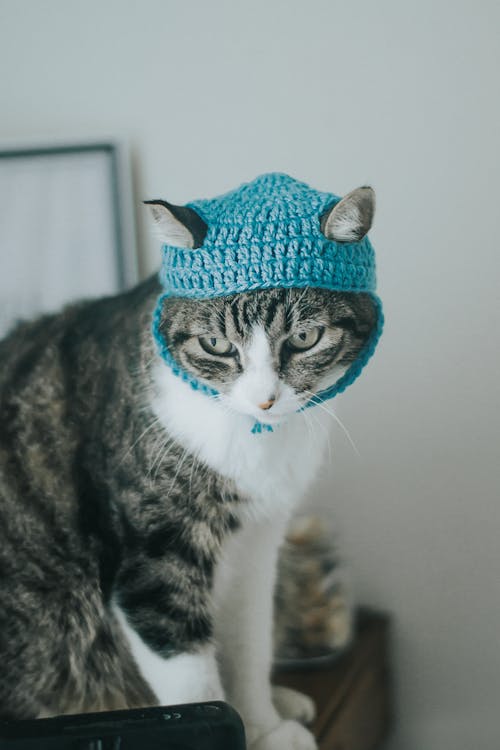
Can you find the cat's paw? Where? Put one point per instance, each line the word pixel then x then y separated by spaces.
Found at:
pixel 290 704
pixel 288 735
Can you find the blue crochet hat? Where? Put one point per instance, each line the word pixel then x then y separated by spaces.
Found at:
pixel 267 234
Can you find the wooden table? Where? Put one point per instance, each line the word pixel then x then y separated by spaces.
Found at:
pixel 353 692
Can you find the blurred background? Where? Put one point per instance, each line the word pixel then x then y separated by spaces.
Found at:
pixel 399 95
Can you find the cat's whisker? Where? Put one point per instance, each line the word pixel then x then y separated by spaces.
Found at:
pixel 314 417
pixel 163 452
pixel 321 405
pixel 143 367
pixel 195 461
pixel 185 454
pixel 160 457
pixel 150 361
pixel 296 304
pixel 158 447
pixel 163 457
pixel 308 424
pixel 159 444
pixel 143 433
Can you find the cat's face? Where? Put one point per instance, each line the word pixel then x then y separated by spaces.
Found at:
pixel 268 352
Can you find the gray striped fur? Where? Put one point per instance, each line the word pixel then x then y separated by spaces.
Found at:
pixel 97 503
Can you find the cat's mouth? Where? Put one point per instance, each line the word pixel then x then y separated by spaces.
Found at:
pixel 272 417
pixel 273 412
pixel 264 417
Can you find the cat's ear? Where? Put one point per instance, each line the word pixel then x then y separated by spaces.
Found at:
pixel 177 225
pixel 351 218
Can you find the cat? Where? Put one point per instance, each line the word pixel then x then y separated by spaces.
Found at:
pixel 141 517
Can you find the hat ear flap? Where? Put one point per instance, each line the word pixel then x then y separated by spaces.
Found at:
pixel 351 218
pixel 180 226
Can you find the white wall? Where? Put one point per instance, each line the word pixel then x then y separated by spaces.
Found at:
pixel 403 96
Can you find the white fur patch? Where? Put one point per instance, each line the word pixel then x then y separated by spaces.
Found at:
pixel 259 381
pixel 243 597
pixel 184 678
pixel 274 469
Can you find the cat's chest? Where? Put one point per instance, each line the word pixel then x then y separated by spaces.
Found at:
pixel 273 468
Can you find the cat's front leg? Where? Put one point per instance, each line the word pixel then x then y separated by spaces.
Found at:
pixel 184 677
pixel 243 592
pixel 171 641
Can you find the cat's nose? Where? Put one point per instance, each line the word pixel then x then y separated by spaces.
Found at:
pixel 267 404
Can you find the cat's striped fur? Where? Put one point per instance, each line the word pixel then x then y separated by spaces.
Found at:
pixel 99 505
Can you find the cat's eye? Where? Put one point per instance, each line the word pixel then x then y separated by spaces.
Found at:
pixel 217 345
pixel 304 340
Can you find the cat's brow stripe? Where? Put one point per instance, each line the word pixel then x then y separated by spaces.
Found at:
pixel 246 315
pixel 235 305
pixel 271 311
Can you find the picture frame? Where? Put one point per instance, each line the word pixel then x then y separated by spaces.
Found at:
pixel 67 227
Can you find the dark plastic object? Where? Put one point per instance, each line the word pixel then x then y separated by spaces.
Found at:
pixel 194 726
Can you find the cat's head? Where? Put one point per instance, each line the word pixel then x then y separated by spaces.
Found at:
pixel 268 352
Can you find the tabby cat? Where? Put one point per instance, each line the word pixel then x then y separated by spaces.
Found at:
pixel 140 518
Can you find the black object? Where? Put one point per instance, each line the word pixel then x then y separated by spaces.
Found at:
pixel 194 726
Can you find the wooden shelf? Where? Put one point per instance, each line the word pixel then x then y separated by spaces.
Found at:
pixel 353 692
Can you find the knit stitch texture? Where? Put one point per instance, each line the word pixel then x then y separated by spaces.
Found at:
pixel 266 234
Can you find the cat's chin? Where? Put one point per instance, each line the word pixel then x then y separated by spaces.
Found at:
pixel 247 411
pixel 273 420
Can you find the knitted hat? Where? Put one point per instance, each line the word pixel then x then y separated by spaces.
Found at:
pixel 267 234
